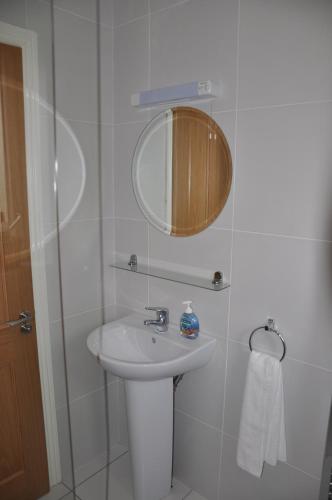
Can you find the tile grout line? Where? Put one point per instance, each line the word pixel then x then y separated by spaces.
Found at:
pixel 79 398
pixel 79 16
pixel 198 420
pixel 280 235
pixel 102 468
pixel 240 231
pixel 149 12
pixel 285 105
pixel 131 21
pixel 93 474
pixel 69 492
pixel 187 494
pixel 80 313
pixel 172 6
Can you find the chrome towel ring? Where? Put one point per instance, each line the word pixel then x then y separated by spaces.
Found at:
pixel 270 327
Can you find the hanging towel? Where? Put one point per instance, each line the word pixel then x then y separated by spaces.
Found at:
pixel 262 427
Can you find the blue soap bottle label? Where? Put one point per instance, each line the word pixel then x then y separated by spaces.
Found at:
pixel 189 324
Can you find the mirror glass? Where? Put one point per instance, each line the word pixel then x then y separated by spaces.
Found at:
pixel 182 171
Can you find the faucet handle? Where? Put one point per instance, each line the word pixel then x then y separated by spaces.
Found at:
pixel 162 320
pixel 162 313
pixel 157 308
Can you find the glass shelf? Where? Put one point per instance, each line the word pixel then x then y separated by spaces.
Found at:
pixel 171 275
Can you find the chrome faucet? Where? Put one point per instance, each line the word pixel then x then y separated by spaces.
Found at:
pixel 160 324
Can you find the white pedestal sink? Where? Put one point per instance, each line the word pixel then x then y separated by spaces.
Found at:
pixel 148 361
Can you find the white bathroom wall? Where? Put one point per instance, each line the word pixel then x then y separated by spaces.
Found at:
pixel 274 238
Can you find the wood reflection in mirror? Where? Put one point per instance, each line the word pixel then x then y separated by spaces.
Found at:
pixel 201 171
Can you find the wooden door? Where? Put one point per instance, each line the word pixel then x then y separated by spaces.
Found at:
pixel 23 460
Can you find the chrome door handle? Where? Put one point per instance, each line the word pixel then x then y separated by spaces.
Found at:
pixel 24 322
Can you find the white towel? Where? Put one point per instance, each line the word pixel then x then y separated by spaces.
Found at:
pixel 262 427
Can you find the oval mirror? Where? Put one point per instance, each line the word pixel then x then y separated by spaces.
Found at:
pixel 182 171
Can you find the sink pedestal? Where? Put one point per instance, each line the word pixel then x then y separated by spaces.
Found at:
pixel 148 362
pixel 150 426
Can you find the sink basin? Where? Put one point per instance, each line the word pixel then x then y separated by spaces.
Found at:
pixel 133 351
pixel 148 361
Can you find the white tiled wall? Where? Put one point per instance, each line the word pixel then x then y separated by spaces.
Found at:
pixel 274 237
pixel 273 240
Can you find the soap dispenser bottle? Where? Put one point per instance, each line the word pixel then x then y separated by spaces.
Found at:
pixel 189 324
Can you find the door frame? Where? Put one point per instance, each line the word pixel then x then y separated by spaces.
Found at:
pixel 27 41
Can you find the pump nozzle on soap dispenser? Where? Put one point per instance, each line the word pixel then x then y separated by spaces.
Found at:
pixel 189 309
pixel 189 324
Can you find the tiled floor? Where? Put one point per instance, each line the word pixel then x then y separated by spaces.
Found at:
pixel 120 486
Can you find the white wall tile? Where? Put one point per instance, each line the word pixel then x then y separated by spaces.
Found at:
pixel 127 10
pixel 76 67
pixel 208 250
pixel 120 482
pixel 88 429
pixel 80 267
pixel 289 280
pixel 107 171
pixel 307 404
pixel 84 373
pixel 131 237
pixel 88 9
pixel 64 446
pixel 109 273
pixel 58 364
pixel 47 162
pixel 131 65
pixel 277 483
pixel 116 311
pixel 38 16
pixel 285 51
pixel 107 12
pixel 194 496
pixel 226 121
pixel 284 171
pixel 196 41
pixel 106 74
pixel 125 140
pixel 164 4
pixel 122 415
pixel 13 12
pixel 77 156
pixel 52 275
pixel 201 392
pixel 132 290
pixel 197 453
pixel 83 8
